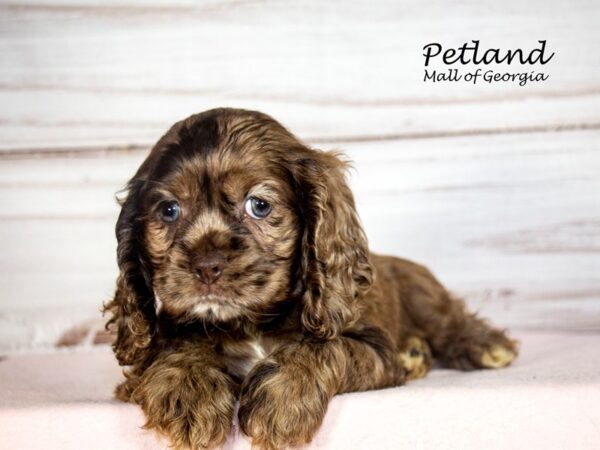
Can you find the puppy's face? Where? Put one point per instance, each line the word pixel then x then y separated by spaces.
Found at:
pixel 221 221
pixel 231 217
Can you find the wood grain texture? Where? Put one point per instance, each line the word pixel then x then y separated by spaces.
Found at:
pixel 495 187
pixel 78 73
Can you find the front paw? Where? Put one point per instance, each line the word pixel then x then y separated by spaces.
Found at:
pixel 191 406
pixel 282 406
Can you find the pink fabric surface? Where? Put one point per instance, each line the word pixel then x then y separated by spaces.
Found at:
pixel 550 398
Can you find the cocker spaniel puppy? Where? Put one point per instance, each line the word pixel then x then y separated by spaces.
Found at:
pixel 245 275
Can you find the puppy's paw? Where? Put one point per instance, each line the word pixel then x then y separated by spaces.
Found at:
pixel 415 357
pixel 124 390
pixel 192 408
pixel 489 350
pixel 281 406
pixel 498 356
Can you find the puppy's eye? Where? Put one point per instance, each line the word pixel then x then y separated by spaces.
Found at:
pixel 170 211
pixel 257 208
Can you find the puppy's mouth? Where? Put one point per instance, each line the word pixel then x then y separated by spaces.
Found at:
pixel 214 299
pixel 213 293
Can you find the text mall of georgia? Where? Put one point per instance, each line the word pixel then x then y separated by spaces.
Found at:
pixel 471 54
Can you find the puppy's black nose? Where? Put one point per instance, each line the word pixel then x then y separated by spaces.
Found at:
pixel 208 267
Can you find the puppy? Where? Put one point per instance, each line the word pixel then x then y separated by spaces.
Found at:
pixel 246 276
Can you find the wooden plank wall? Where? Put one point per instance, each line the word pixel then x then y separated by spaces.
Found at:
pixel 496 187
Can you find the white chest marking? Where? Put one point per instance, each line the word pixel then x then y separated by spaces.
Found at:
pixel 240 363
pixel 259 350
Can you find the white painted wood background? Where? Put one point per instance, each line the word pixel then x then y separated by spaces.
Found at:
pixel 495 187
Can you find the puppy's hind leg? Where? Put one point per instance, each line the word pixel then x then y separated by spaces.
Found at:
pixel 458 339
pixel 466 342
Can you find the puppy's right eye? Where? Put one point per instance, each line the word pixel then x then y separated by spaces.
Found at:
pixel 170 211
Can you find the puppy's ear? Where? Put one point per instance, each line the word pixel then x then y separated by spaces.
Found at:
pixel 335 257
pixel 133 306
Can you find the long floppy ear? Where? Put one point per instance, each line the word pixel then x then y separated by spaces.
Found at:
pixel 133 306
pixel 335 256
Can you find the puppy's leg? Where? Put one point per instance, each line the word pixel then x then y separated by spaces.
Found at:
pixel 465 341
pixel 458 339
pixel 285 397
pixel 186 395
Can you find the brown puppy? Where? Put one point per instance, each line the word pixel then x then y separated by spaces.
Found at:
pixel 245 275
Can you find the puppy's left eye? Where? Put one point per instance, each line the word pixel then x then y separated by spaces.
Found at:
pixel 170 211
pixel 257 208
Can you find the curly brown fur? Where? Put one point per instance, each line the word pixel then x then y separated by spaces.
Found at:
pixel 187 395
pixel 217 303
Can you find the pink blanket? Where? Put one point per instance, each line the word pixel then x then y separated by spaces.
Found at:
pixel 550 398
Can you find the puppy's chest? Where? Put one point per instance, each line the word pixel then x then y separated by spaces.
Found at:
pixel 240 356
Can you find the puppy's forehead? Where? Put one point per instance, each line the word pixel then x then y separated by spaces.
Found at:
pixel 225 153
pixel 224 135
